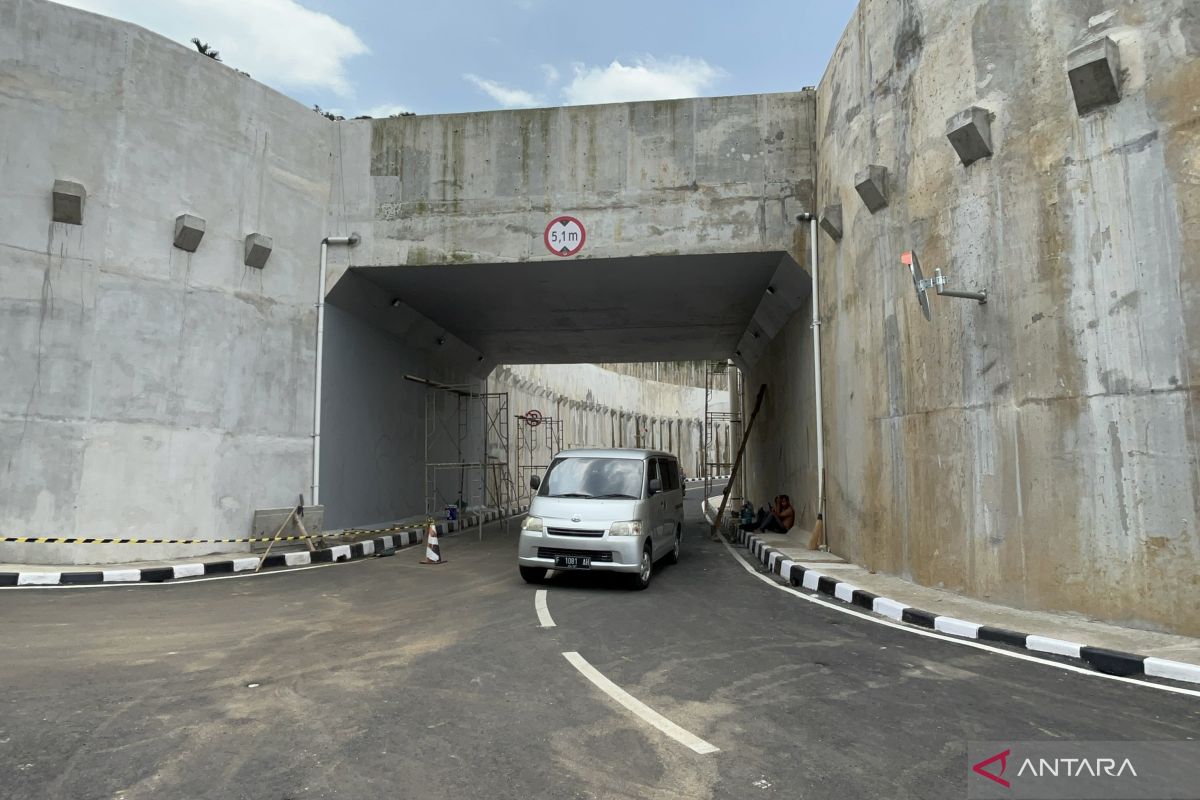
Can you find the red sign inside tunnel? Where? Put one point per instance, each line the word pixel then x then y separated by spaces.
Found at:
pixel 564 236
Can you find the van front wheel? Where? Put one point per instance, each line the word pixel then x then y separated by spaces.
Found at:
pixel 533 574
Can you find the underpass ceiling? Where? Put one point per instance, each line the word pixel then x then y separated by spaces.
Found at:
pixel 652 308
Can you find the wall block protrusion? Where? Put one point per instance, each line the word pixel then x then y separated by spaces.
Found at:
pixel 970 133
pixel 831 221
pixel 258 250
pixel 1095 73
pixel 871 185
pixel 189 230
pixel 68 202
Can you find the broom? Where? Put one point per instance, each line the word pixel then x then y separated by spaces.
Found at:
pixel 818 533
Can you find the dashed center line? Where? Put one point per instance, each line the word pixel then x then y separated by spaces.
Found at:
pixel 645 712
pixel 539 604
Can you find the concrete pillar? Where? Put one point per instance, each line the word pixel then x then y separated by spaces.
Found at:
pixel 733 377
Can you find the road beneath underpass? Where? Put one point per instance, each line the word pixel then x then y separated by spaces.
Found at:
pixel 387 679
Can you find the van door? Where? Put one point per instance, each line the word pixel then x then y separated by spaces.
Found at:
pixel 674 499
pixel 656 505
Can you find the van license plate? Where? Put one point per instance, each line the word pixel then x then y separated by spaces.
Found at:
pixel 573 562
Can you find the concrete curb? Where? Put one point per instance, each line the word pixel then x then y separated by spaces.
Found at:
pixel 1112 662
pixel 192 569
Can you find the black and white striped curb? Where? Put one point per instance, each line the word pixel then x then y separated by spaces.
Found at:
pixel 1112 662
pixel 195 569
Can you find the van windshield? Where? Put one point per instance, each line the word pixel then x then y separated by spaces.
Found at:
pixel 593 478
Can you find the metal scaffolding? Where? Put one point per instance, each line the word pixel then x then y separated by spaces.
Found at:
pixel 534 431
pixel 466 449
pixel 716 452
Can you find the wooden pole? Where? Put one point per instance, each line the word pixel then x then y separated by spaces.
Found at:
pixel 266 552
pixel 737 462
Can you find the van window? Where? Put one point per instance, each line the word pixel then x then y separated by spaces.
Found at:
pixel 669 469
pixel 651 473
pixel 613 478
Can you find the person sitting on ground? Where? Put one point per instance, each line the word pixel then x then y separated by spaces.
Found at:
pixel 782 516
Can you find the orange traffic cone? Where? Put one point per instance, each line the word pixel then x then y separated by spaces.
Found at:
pixel 433 553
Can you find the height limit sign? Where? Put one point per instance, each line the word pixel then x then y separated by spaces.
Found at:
pixel 565 236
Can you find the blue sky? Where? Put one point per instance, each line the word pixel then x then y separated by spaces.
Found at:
pixel 376 57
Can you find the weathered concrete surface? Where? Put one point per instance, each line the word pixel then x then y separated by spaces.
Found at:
pixel 705 175
pixel 148 391
pixel 1041 451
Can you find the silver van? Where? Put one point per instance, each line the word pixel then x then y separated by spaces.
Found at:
pixel 618 510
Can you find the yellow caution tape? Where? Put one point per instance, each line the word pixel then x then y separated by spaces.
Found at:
pixel 80 540
pixel 59 540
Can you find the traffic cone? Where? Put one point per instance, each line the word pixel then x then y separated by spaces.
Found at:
pixel 433 553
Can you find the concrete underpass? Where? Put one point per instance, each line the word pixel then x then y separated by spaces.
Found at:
pixel 214 301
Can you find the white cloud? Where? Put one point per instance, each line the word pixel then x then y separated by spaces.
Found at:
pixel 551 73
pixel 646 79
pixel 504 95
pixel 279 42
pixel 386 110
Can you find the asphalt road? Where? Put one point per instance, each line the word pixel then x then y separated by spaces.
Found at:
pixel 387 679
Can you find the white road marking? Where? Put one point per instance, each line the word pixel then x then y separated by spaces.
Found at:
pixel 539 603
pixel 645 712
pixel 962 642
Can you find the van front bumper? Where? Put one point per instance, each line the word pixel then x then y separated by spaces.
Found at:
pixel 608 554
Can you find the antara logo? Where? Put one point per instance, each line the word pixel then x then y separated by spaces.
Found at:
pixel 994 776
pixel 1054 768
pixel 1076 767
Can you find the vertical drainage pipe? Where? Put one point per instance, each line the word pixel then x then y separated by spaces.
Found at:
pixel 811 219
pixel 351 240
pixel 816 326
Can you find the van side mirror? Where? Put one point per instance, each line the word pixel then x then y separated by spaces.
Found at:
pixel 655 486
pixel 534 482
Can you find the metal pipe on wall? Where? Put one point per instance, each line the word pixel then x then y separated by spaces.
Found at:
pixel 351 240
pixel 811 219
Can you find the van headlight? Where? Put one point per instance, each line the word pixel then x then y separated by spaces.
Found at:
pixel 532 525
pixel 631 528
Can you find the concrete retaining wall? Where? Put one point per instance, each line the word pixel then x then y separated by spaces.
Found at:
pixel 1040 451
pixel 149 391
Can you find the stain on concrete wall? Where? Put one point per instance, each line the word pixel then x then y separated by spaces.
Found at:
pixel 705 175
pixel 148 391
pixel 1042 450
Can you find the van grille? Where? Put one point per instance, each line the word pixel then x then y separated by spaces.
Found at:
pixel 595 555
pixel 573 532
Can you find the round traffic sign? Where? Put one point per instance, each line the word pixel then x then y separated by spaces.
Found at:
pixel 564 236
pixel 533 418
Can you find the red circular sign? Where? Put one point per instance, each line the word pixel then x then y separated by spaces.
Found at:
pixel 564 236
pixel 533 418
